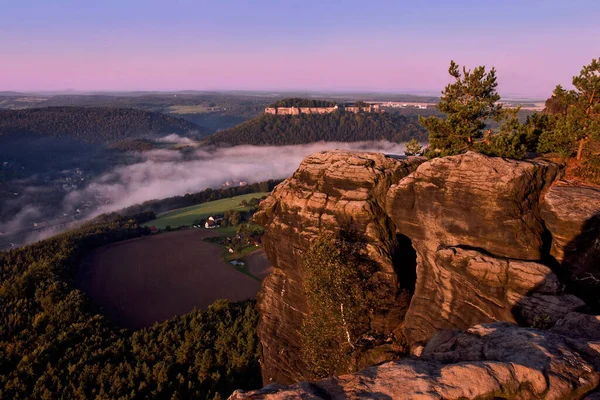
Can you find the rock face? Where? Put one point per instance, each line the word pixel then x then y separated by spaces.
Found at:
pixel 328 191
pixel 490 206
pixel 490 361
pixel 480 236
pixel 475 201
pixel 572 215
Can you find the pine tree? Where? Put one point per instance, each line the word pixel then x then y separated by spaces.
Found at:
pixel 576 112
pixel 412 147
pixel 587 85
pixel 467 102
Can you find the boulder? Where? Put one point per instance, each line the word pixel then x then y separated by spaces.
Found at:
pixel 488 361
pixel 572 215
pixel 329 192
pixel 489 205
pixel 459 288
pixel 474 200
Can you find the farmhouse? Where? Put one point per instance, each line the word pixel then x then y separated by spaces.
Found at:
pixel 213 222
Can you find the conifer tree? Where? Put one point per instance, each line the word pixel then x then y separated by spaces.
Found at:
pixel 467 102
pixel 577 114
pixel 587 86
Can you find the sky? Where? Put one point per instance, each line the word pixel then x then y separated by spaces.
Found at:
pixel 277 45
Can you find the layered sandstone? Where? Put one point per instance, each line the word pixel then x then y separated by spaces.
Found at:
pixel 482 229
pixel 328 192
pixel 475 224
pixel 572 215
pixel 490 361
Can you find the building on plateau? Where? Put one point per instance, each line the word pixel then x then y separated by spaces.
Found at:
pixel 373 108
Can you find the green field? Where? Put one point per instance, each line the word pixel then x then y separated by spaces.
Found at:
pixel 197 109
pixel 186 216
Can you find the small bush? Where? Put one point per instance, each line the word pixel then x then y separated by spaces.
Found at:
pixel 590 169
pixel 504 145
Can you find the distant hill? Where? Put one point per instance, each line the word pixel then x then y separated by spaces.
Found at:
pixel 338 126
pixel 90 124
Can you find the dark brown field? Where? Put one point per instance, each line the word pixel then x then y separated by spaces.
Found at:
pixel 151 279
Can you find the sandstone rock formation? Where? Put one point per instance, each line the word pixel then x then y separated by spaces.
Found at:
pixel 482 228
pixel 472 201
pixel 572 215
pixel 490 361
pixel 328 190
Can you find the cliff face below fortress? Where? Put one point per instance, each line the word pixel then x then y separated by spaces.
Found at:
pixel 458 241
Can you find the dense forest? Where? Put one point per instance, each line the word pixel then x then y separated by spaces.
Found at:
pixel 54 344
pixel 138 145
pixel 339 126
pixel 90 124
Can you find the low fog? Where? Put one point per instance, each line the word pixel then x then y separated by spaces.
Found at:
pixel 165 172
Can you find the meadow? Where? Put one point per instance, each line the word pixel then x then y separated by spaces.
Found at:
pixel 187 215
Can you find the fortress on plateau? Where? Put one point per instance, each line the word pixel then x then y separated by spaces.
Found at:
pixel 372 108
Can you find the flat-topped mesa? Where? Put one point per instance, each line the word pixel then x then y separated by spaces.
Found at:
pixel 328 191
pixel 369 108
pixel 475 224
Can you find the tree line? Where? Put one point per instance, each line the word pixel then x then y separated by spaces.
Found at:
pixel 338 126
pixel 569 126
pixel 55 344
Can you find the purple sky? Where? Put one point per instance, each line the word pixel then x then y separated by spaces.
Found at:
pixel 395 46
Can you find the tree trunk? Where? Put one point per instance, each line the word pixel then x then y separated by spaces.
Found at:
pixel 580 149
pixel 345 325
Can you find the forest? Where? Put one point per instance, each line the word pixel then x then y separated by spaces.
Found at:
pixel 338 126
pixel 55 343
pixel 90 124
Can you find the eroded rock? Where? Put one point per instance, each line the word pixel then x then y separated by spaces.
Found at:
pixel 486 204
pixel 473 200
pixel 572 215
pixel 459 288
pixel 328 191
pixel 488 361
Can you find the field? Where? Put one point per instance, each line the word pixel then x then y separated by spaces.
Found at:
pixel 142 281
pixel 186 216
pixel 181 109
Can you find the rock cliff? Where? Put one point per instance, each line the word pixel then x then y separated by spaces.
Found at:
pixel 457 241
pixel 328 191
pixel 476 226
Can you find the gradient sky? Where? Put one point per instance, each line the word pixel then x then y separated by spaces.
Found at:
pixel 395 46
